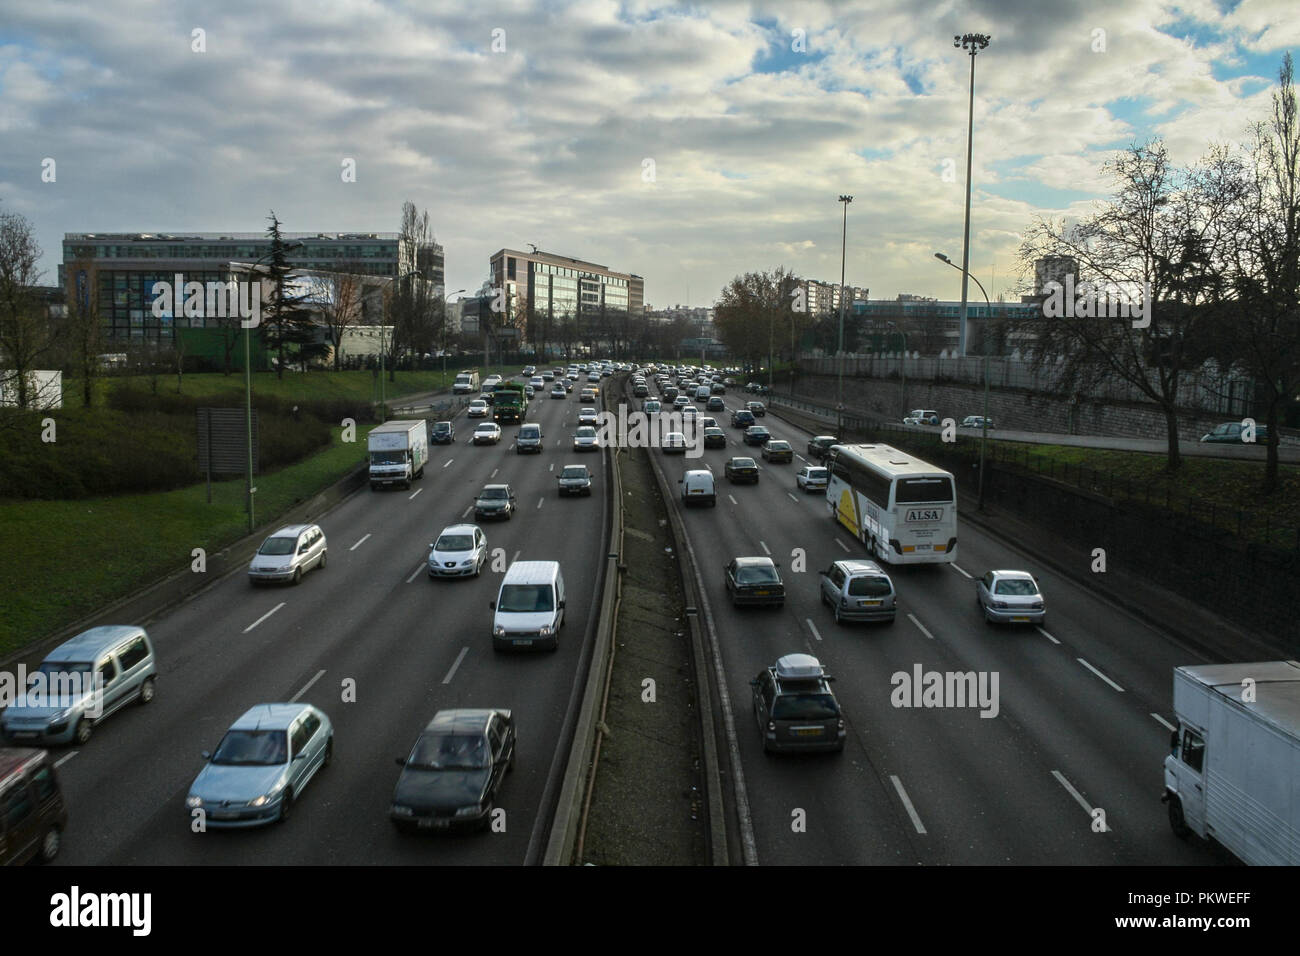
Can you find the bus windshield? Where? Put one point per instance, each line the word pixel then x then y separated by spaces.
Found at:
pixel 923 490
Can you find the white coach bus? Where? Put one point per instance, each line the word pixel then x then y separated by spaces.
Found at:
pixel 903 509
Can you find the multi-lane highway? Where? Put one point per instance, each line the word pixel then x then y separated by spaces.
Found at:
pixel 1084 702
pixel 373 627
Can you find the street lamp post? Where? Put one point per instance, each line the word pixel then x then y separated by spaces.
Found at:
pixel 973 43
pixel 839 402
pixel 984 423
pixel 248 389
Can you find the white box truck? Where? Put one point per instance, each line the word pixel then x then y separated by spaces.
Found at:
pixel 466 383
pixel 1233 774
pixel 399 450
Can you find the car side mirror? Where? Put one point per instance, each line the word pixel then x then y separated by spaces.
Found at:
pixel 753 682
pixel 1173 741
pixel 401 761
pixel 300 755
pixel 561 605
pixel 679 480
pixel 207 754
pixel 492 605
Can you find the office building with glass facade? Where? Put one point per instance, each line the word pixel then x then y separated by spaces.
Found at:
pixel 541 286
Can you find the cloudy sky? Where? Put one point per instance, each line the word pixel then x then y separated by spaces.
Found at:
pixel 685 143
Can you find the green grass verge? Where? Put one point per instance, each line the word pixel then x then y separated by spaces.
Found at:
pixel 60 560
pixel 359 384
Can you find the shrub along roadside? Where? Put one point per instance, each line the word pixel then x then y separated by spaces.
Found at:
pixel 60 560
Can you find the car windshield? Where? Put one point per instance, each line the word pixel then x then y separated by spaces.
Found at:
pixel 587 432
pixel 806 706
pixel 530 432
pixel 442 428
pixel 869 585
pixel 252 748
pixel 818 474
pixel 579 472
pixel 526 598
pixel 278 545
pixel 743 463
pixel 485 430
pixel 495 493
pixel 758 574
pixel 449 752
pixel 778 446
pixel 455 542
pixel 1020 586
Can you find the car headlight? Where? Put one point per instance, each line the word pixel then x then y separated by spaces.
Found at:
pixel 498 631
pixel 402 811
pixel 467 562
pixel 469 811
pixel 260 801
pixel 544 630
pixel 193 801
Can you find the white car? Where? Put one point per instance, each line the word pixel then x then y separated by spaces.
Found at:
pixel 460 551
pixel 489 433
pixel 588 416
pixel 674 443
pixel 477 409
pixel 812 478
pixel 584 439
pixel 285 555
pixel 1010 597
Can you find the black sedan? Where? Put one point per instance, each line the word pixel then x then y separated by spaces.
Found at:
pixel 742 470
pixel 454 772
pixel 442 433
pixel 495 501
pixel 819 446
pixel 755 581
pixel 756 435
pixel 715 438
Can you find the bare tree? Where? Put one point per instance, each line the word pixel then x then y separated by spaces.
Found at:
pixel 414 310
pixel 1265 265
pixel 754 313
pixel 26 333
pixel 339 296
pixel 1159 234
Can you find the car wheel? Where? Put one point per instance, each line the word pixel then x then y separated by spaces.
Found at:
pixel 146 691
pixel 286 805
pixel 50 844
pixel 329 752
pixel 1176 820
pixel 297 575
pixel 323 556
pixel 85 726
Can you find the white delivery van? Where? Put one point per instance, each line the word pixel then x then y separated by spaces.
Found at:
pixel 466 383
pixel 529 607
pixel 1233 774
pixel 698 489
pixel 399 450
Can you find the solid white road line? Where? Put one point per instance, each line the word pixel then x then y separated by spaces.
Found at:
pixel 452 673
pixel 1100 674
pixel 912 618
pixel 1060 778
pixel 359 543
pixel 418 568
pixel 842 545
pixel 417 491
pixel 763 545
pixel 1048 636
pixel 1166 724
pixel 812 627
pixel 907 804
pixel 306 687
pixel 263 617
pixel 959 568
pixel 64 759
pixel 448 462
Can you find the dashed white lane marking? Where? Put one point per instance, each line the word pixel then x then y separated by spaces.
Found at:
pixel 1100 674
pixel 907 804
pixel 516 557
pixel 452 673
pixel 417 491
pixel 763 545
pixel 812 627
pixel 912 618
pixel 732 500
pixel 418 568
pixel 263 617
pixel 467 511
pixel 1048 636
pixel 359 543
pixel 1166 724
pixel 306 687
pixel 959 568
pixel 1060 778
pixel 539 502
pixel 494 473
pixel 64 759
pixel 791 497
pixel 448 462
pixel 842 545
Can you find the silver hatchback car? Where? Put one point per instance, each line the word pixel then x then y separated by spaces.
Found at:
pixel 859 591
pixel 1010 597
pixel 262 765
pixel 288 553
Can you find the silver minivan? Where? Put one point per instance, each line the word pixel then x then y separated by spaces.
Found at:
pixel 529 438
pixel 288 553
pixel 530 607
pixel 80 683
